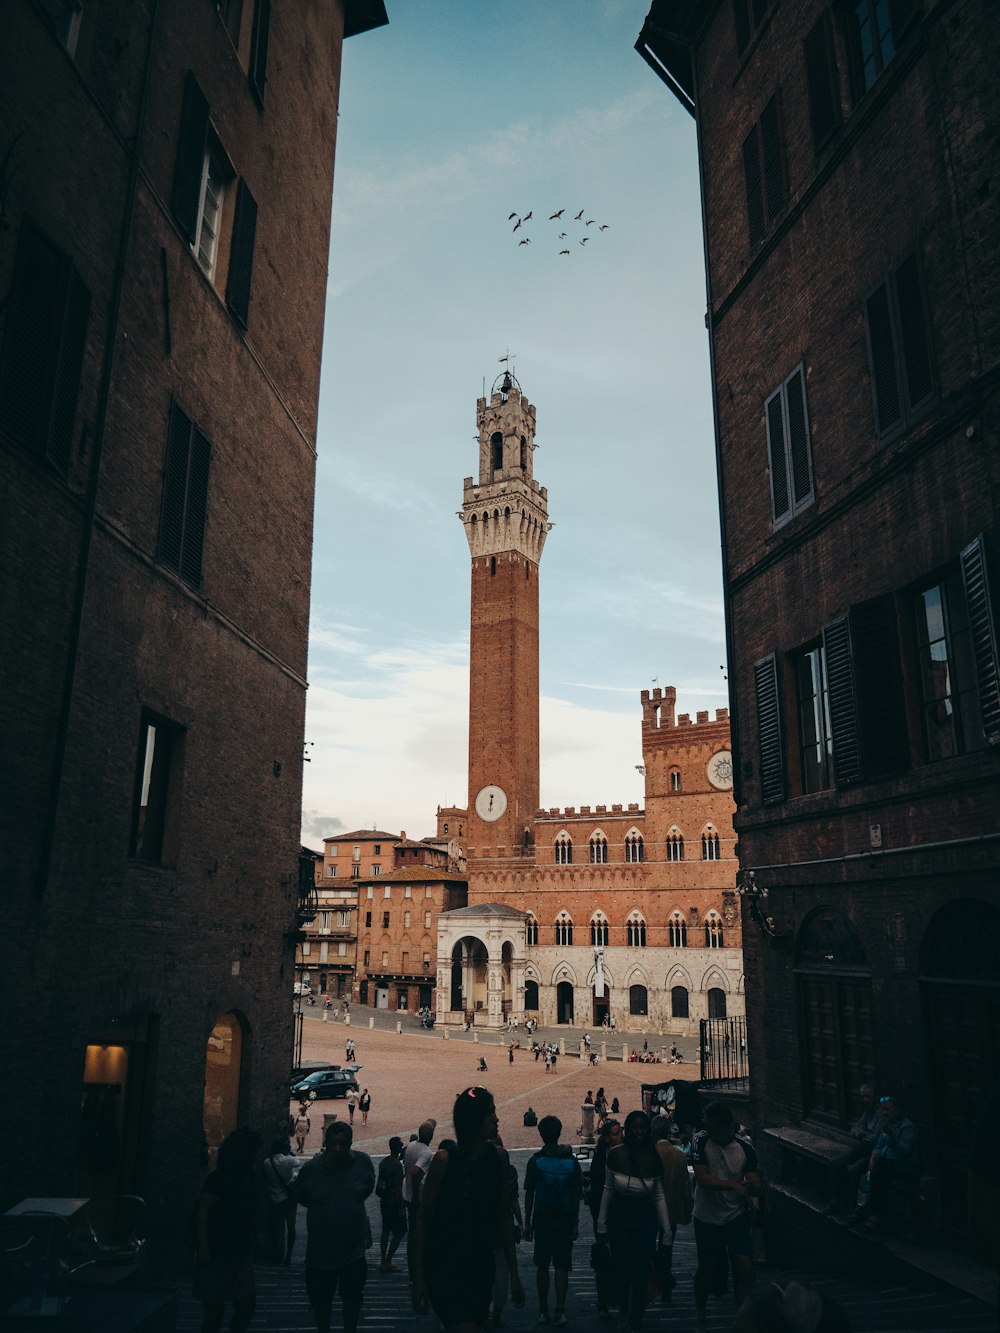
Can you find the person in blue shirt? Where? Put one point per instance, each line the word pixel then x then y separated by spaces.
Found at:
pixel 895 1157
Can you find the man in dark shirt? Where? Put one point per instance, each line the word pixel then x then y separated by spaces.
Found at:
pixel 390 1195
pixel 333 1187
pixel 553 1188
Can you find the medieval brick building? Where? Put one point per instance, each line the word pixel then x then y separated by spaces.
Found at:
pixel 586 914
pixel 165 184
pixel 848 156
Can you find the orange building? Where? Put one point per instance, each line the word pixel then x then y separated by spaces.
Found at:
pixel 594 912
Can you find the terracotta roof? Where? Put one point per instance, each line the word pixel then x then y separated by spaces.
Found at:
pixel 488 910
pixel 433 874
pixel 364 835
pixel 412 842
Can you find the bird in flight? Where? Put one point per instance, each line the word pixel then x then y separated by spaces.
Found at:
pixel 511 215
pixel 517 223
pixel 562 235
pixel 564 252
pixel 554 216
pixel 604 226
pixel 578 216
pixel 585 240
pixel 526 241
pixel 527 217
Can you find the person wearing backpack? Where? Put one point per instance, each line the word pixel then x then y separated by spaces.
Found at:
pixel 553 1188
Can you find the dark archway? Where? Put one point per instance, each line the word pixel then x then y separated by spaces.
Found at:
pixel 716 1002
pixel 960 994
pixel 678 1002
pixel 564 1002
pixel 531 995
pixel 638 1001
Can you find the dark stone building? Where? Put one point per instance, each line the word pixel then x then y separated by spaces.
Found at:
pixel 851 206
pixel 165 186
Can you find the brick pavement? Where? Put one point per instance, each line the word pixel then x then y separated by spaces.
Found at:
pixel 418 1074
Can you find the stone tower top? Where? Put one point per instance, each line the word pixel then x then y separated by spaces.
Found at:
pixel 506 509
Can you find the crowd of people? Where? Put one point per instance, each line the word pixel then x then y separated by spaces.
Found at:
pixel 457 1206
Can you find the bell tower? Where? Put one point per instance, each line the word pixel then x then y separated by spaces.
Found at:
pixel 505 514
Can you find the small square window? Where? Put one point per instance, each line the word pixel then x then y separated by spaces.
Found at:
pixel 371 892
pixel 377 849
pixel 408 892
pixel 387 891
pixel 385 920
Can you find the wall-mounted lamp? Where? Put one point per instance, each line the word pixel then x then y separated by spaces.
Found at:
pixel 756 894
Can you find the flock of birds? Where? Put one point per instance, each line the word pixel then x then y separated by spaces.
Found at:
pixel 520 220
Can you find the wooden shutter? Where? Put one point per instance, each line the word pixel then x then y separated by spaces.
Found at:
pixel 741 18
pixel 258 48
pixel 171 542
pixel 754 178
pixel 914 337
pixel 975 577
pixel 843 711
pixel 769 740
pixel 191 142
pixel 776 453
pixel 66 388
pixel 798 437
pixel 821 80
pixel 196 508
pixel 774 172
pixel 882 355
pixel 878 683
pixel 241 255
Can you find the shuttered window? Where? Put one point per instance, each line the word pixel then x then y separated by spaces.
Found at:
pixel 257 72
pixel 43 349
pixel 821 80
pixel 843 708
pixel 789 454
pixel 189 166
pixel 769 738
pixel 185 498
pixel 899 347
pixel 813 699
pixel 748 15
pixel 878 687
pixel 764 172
pixel 241 255
pixel 982 627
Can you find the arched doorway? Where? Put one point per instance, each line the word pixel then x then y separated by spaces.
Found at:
pixel 716 1002
pixel 506 968
pixel 531 995
pixel 564 1002
pixel 223 1077
pixel 960 993
pixel 834 990
pixel 469 975
pixel 638 1001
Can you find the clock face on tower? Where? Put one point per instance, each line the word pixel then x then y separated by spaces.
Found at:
pixel 491 803
pixel 720 770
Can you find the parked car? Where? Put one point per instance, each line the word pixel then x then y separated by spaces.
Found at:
pixel 326 1083
pixel 307 1067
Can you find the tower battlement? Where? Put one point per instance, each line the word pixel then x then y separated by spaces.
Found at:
pixel 658 713
pixel 588 812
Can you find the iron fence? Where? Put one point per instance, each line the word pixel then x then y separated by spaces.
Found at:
pixel 724 1060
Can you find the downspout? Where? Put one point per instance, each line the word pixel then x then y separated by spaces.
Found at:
pixel 90 509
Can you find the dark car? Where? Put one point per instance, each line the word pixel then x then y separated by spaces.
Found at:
pixel 326 1083
pixel 307 1067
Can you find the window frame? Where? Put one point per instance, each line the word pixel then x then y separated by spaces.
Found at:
pixel 895 328
pixel 167 779
pixel 796 500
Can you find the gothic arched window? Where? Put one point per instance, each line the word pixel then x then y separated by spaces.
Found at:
pixel 638 1001
pixel 675 779
pixel 564 929
pixel 496 451
pixel 599 930
pixel 564 850
pixel 524 454
pixel 634 846
pixel 677 927
pixel 531 930
pixel 636 930
pixel 598 849
pixel 675 844
pixel 710 844
pixel 713 931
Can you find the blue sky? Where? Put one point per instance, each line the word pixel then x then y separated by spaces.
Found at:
pixel 456 114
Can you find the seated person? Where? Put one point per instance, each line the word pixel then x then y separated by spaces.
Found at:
pixel 864 1132
pixel 894 1159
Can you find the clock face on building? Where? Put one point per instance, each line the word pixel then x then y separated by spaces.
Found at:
pixel 720 770
pixel 491 803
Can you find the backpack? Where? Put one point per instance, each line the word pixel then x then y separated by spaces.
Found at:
pixel 554 1180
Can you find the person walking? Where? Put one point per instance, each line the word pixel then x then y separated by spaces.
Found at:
pixel 464 1212
pixel 278 1171
pixel 224 1227
pixel 352 1104
pixel 417 1158
pixel 553 1187
pixel 677 1190
pixel 609 1136
pixel 301 1128
pixel 333 1187
pixel 389 1190
pixel 633 1206
pixel 726 1177
pixel 510 1053
pixel 365 1105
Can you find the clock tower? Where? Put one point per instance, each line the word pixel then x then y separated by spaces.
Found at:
pixel 505 515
